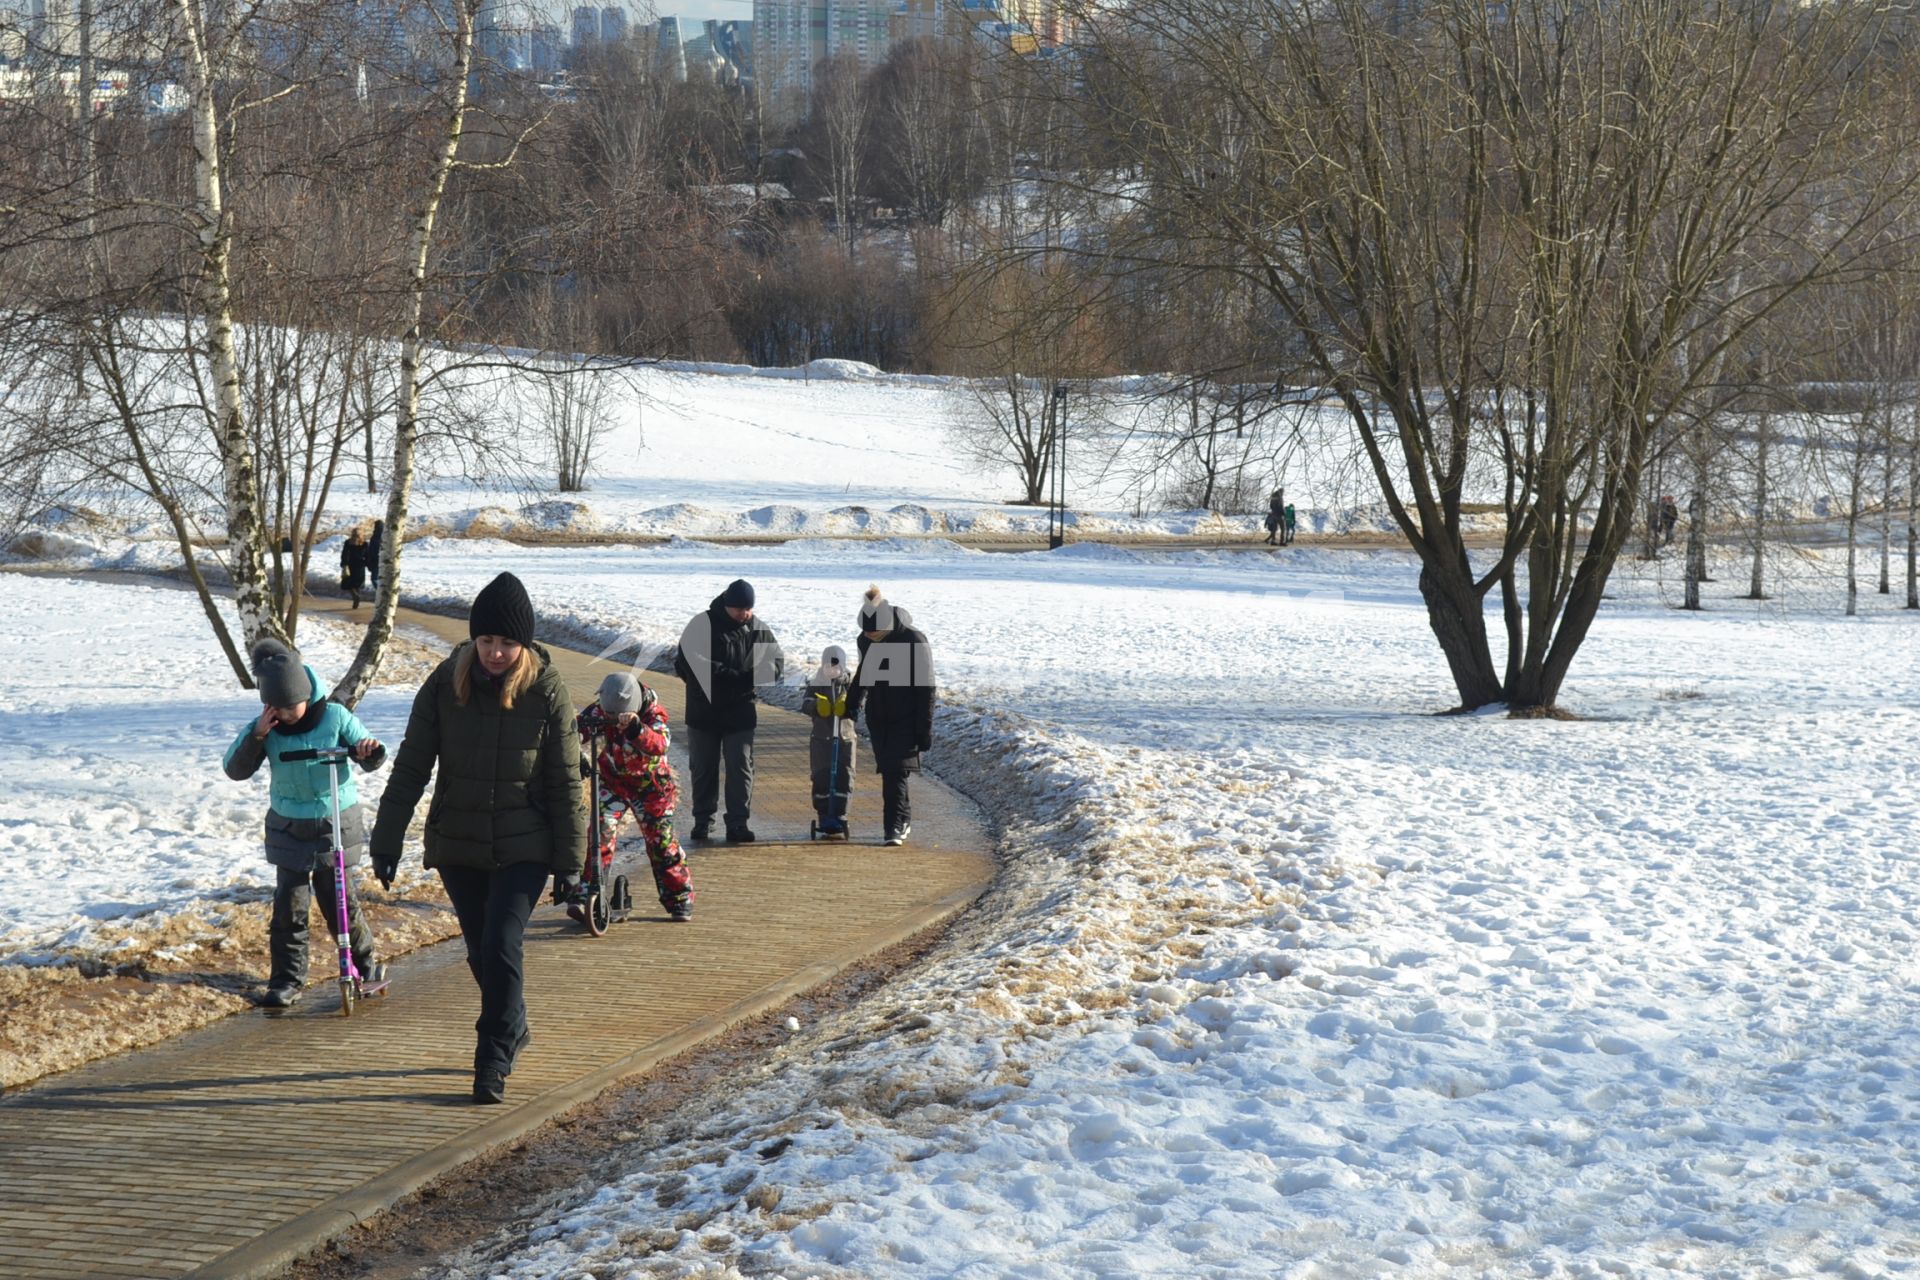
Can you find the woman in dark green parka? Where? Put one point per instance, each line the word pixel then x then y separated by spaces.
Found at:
pixel 497 721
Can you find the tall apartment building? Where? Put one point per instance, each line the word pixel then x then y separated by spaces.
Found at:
pixel 670 50
pixel 586 26
pixel 1047 19
pixel 545 49
pixel 613 24
pixel 791 38
pixel 1023 26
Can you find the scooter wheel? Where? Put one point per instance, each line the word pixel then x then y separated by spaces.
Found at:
pixel 598 916
pixel 347 995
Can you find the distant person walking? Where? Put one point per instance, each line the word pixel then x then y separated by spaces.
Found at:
pixel 724 653
pixel 895 685
pixel 1669 516
pixel 353 564
pixel 495 725
pixel 374 541
pixel 1292 527
pixel 1276 516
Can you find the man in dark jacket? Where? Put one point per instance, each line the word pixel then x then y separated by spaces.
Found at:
pixel 895 685
pixel 724 652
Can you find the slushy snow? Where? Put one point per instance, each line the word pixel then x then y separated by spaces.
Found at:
pixel 1287 975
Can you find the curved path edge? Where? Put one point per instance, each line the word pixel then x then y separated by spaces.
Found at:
pixel 236 1149
pixel 272 1253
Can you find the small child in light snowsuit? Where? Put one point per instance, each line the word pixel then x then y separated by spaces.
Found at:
pixel 636 779
pixel 825 701
pixel 297 715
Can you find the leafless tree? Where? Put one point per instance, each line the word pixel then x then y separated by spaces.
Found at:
pixel 1497 233
pixel 927 131
pixel 843 114
pixel 1021 338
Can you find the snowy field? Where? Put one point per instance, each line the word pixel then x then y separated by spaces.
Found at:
pixel 1285 975
pixel 1288 976
pixel 837 448
pixel 842 449
pixel 114 715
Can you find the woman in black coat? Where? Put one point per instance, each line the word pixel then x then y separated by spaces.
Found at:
pixel 353 565
pixel 895 685
pixel 493 727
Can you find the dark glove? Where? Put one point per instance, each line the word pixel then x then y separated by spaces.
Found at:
pixel 565 888
pixel 385 869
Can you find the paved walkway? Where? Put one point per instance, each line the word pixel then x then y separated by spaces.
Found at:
pixel 230 1151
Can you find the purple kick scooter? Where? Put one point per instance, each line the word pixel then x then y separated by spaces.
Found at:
pixel 354 985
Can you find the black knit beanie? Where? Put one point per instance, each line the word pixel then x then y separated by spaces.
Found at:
pixel 279 673
pixel 738 595
pixel 502 609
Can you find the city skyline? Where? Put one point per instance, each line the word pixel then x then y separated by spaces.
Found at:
pixel 643 13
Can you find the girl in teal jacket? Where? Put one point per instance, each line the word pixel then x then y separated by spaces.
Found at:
pixel 296 715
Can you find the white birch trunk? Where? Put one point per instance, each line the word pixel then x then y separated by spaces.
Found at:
pixel 246 558
pixel 406 426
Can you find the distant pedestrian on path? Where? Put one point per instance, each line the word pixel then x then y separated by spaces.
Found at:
pixel 495 722
pixel 895 685
pixel 724 653
pixel 1276 515
pixel 297 715
pixel 1287 519
pixel 1669 516
pixel 636 779
pixel 374 541
pixel 353 564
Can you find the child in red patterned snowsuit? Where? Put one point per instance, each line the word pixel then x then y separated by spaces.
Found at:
pixel 636 779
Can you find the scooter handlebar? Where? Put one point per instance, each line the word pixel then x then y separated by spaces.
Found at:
pixel 336 755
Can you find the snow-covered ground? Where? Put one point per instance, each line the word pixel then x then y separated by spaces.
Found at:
pixel 835 448
pixel 1284 975
pixel 114 715
pixel 1288 976
pixel 841 449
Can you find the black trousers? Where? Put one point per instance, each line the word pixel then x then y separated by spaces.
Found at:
pixel 293 894
pixel 705 749
pixel 493 907
pixel 895 810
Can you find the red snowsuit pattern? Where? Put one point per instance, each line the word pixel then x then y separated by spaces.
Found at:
pixel 636 779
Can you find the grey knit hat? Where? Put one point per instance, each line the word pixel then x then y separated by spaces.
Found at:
pixel 280 674
pixel 619 694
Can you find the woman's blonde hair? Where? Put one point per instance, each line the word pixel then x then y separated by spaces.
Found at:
pixel 521 674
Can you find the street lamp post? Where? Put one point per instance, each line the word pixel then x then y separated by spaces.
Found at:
pixel 1057 504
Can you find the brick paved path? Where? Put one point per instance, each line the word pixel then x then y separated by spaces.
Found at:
pixel 213 1154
